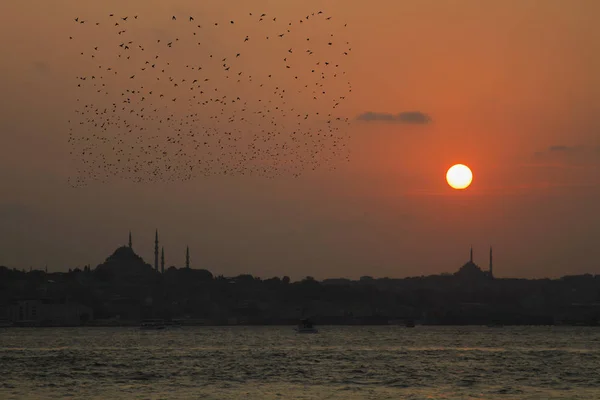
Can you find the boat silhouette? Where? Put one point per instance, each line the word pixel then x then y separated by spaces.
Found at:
pixel 306 326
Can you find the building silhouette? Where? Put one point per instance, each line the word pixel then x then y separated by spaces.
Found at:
pixel 470 270
pixel 187 257
pixel 156 251
pixel 48 312
pixel 124 289
pixel 491 271
pixel 162 254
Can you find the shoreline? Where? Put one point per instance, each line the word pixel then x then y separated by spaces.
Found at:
pixel 137 325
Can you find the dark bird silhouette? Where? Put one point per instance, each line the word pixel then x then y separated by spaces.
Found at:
pixel 189 123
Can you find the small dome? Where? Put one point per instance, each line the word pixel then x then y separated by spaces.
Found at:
pixel 124 260
pixel 123 253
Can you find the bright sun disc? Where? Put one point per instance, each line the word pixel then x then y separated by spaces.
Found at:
pixel 459 176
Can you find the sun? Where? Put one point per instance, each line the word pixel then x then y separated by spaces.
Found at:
pixel 459 176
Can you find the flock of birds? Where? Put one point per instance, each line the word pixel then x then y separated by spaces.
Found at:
pixel 255 97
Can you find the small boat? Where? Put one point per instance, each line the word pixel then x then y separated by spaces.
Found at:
pixel 4 323
pixel 152 325
pixel 409 323
pixel 175 324
pixel 306 326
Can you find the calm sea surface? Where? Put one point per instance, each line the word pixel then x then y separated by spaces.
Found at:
pixel 275 363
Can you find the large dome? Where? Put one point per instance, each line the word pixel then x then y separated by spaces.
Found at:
pixel 124 254
pixel 124 262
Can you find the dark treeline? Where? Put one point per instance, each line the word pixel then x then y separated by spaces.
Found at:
pixel 124 290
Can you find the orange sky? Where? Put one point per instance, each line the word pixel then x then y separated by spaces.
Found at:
pixel 503 82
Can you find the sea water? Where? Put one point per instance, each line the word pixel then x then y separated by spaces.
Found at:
pixel 388 362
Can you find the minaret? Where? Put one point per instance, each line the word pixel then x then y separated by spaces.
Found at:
pixel 471 258
pixel 156 251
pixel 130 239
pixel 187 257
pixel 162 261
pixel 491 269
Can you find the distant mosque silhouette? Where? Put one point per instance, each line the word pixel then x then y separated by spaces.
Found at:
pixel 472 271
pixel 162 254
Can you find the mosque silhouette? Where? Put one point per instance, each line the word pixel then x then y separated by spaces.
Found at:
pixel 470 270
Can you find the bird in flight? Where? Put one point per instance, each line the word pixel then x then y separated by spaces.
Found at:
pixel 175 120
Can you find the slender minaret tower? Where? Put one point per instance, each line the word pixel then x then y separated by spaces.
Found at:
pixel 471 258
pixel 130 240
pixel 491 268
pixel 162 260
pixel 187 257
pixel 156 251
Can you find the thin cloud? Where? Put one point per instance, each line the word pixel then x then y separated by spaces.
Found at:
pixel 568 156
pixel 503 191
pixel 406 117
pixel 563 148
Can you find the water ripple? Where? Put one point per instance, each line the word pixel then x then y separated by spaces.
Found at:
pixel 274 363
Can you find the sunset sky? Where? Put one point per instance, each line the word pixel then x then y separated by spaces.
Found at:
pixel 509 88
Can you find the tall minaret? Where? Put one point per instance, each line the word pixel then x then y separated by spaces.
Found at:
pixel 491 269
pixel 162 261
pixel 156 251
pixel 130 239
pixel 471 258
pixel 187 257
